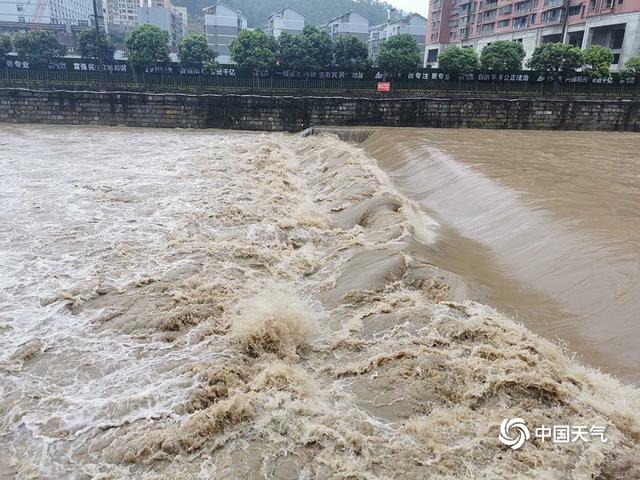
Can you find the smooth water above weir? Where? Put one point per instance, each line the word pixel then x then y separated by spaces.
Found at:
pixel 546 224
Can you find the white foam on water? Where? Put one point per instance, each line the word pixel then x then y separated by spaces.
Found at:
pixel 186 304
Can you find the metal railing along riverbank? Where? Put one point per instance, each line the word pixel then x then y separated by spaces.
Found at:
pixel 86 80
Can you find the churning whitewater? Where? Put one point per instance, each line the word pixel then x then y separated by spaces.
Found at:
pixel 182 304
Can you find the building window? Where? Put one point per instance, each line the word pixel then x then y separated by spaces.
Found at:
pixel 520 22
pixel 616 59
pixel 574 10
pixel 490 15
pixel 592 5
pixel 618 38
pixel 20 19
pixel 608 4
pixel 487 28
pixel 19 7
pixel 503 23
pixel 551 15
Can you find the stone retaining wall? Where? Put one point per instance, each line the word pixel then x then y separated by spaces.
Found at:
pixel 283 113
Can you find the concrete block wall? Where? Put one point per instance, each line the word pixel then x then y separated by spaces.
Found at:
pixel 282 113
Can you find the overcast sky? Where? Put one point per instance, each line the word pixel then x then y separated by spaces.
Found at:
pixel 418 6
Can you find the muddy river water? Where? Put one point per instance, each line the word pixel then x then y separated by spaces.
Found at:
pixel 547 222
pixel 180 304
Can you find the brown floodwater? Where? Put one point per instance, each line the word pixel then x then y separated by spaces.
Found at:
pixel 546 224
pixel 214 304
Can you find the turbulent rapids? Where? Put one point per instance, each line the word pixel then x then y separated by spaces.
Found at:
pixel 181 305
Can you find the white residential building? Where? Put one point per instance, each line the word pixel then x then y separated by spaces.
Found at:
pixel 286 20
pixel 165 19
pixel 222 24
pixel 181 12
pixel 351 23
pixel 412 24
pixel 123 14
pixel 49 12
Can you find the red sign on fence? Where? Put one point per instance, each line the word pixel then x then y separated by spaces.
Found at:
pixel 384 86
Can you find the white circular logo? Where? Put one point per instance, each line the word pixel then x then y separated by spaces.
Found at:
pixel 520 433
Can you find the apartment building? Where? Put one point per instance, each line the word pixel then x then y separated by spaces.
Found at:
pixel 222 24
pixel 182 14
pixel 286 20
pixel 351 23
pixel 165 16
pixel 614 24
pixel 47 12
pixel 122 15
pixel 165 19
pixel 64 18
pixel 413 24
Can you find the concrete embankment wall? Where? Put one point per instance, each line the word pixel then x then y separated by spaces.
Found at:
pixel 277 113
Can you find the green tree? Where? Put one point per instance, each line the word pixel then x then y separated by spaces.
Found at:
pixel 194 52
pixel 597 61
pixel 309 51
pixel 399 54
pixel 555 57
pixel 504 56
pixel 210 66
pixel 350 53
pixel 632 68
pixel 38 46
pixel 458 59
pixel 291 52
pixel 88 46
pixel 254 50
pixel 5 45
pixel 147 45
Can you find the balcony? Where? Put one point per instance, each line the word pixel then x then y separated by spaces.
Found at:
pixel 523 7
pixel 488 16
pixel 552 16
pixel 520 23
pixel 488 28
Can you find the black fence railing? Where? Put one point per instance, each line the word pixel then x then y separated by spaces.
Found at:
pixel 92 80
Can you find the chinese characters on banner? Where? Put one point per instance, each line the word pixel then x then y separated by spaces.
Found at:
pixel 423 75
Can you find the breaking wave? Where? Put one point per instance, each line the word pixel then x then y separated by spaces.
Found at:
pixel 261 306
